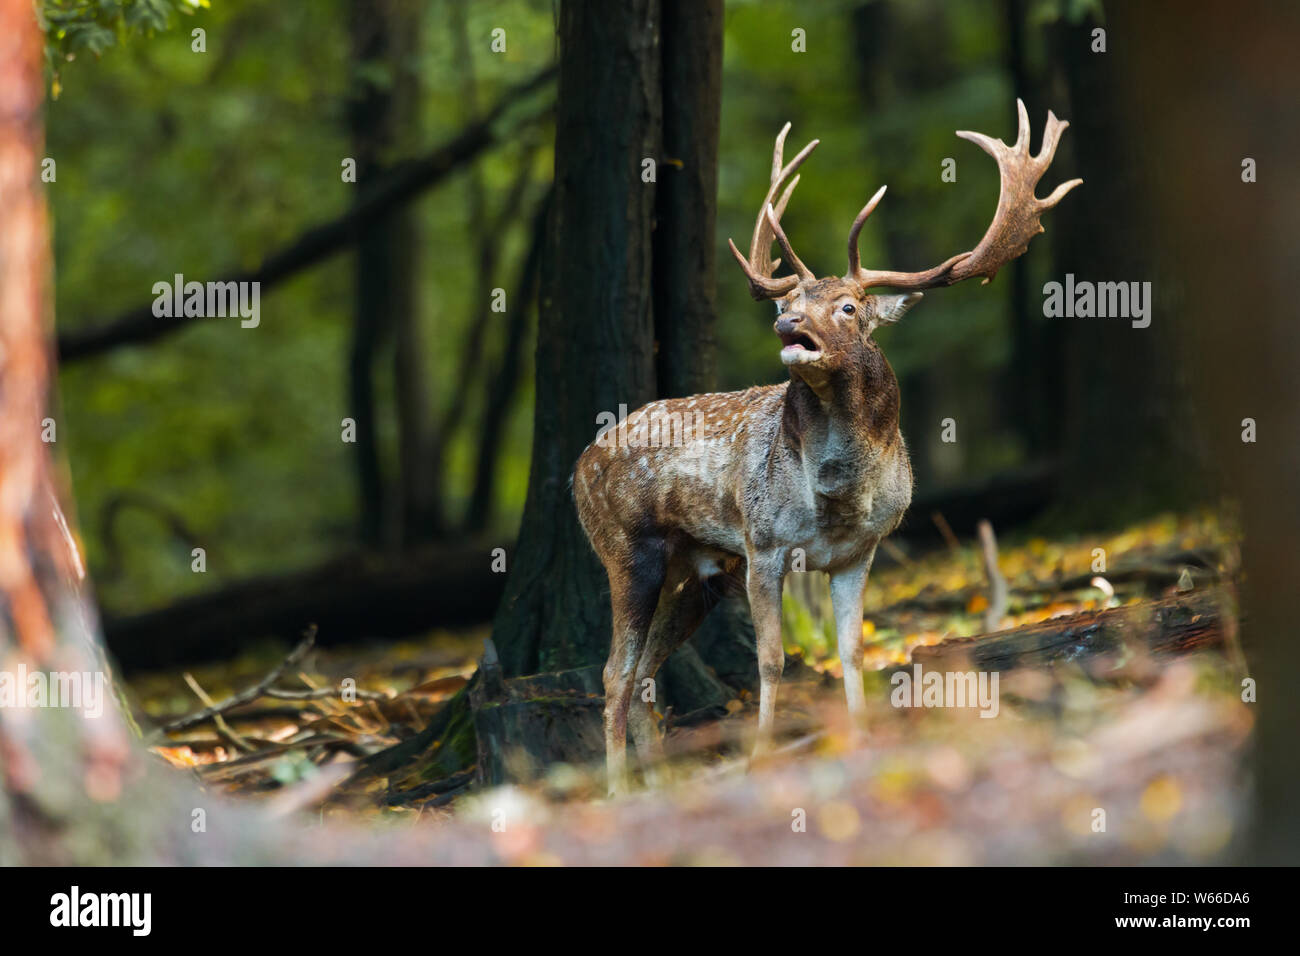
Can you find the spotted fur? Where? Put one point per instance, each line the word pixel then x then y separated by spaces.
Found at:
pixel 815 467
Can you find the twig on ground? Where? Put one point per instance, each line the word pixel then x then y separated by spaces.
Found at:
pixel 250 694
pixel 321 693
pixel 897 553
pixel 223 728
pixel 997 608
pixel 945 529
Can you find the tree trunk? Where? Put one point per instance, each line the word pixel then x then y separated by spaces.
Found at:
pixel 385 37
pixel 354 598
pixel 639 84
pixel 506 377
pixel 721 654
pixel 1196 120
pixel 685 248
pixel 595 316
pixel 1125 440
pixel 1030 401
pixel 893 56
pixel 50 757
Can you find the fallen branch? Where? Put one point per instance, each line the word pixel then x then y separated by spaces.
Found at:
pixel 1148 579
pixel 997 608
pixel 945 529
pixel 223 728
pixel 321 693
pixel 351 597
pixel 250 694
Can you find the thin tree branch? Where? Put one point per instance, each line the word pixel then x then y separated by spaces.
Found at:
pixel 505 381
pixel 480 318
pixel 249 694
pixel 404 182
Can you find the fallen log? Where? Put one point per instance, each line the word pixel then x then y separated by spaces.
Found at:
pixel 1173 625
pixel 352 598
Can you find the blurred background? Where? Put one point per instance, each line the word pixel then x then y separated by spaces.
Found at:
pixel 229 439
pixel 437 332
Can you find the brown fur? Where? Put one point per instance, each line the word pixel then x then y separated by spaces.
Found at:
pixel 814 469
pixel 816 464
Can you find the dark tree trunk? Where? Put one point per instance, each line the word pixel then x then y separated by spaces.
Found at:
pixel 355 598
pixel 1196 119
pixel 506 378
pixel 595 345
pixel 1031 402
pixel 892 56
pixel 385 36
pixel 628 289
pixel 686 307
pixel 486 236
pixel 1125 439
pixel 685 281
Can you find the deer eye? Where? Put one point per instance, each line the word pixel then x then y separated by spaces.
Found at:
pixel 848 308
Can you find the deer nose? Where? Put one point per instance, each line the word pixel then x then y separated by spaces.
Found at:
pixel 787 322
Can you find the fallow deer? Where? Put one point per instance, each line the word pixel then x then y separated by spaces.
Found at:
pixel 814 467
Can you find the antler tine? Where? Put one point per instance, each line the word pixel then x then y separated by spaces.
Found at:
pixel 1022 126
pixel 762 287
pixel 785 197
pixel 761 242
pixel 1015 222
pixel 760 265
pixel 1051 139
pixel 780 210
pixel 795 262
pixel 855 262
pixel 779 150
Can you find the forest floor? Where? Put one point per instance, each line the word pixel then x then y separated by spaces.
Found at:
pixel 1100 748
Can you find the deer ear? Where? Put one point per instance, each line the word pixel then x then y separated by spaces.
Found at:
pixel 891 308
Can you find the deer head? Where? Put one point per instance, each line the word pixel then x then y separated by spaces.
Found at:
pixel 824 323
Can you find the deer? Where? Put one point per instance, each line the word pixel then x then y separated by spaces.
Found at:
pixel 814 468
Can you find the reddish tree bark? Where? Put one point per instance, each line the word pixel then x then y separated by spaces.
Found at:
pixel 45 622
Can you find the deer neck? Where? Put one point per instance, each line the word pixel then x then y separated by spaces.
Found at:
pixel 844 421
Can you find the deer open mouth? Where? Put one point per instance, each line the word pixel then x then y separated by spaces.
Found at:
pixel 797 348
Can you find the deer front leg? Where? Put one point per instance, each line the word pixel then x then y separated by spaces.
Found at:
pixel 846 599
pixel 764 580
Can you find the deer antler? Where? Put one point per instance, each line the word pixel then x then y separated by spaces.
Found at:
pixel 760 265
pixel 1014 224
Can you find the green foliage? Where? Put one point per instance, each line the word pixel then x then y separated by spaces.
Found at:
pixel 1071 11
pixel 92 26
pixel 173 161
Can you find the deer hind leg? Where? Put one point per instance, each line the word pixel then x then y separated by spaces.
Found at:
pixel 683 604
pixel 634 591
